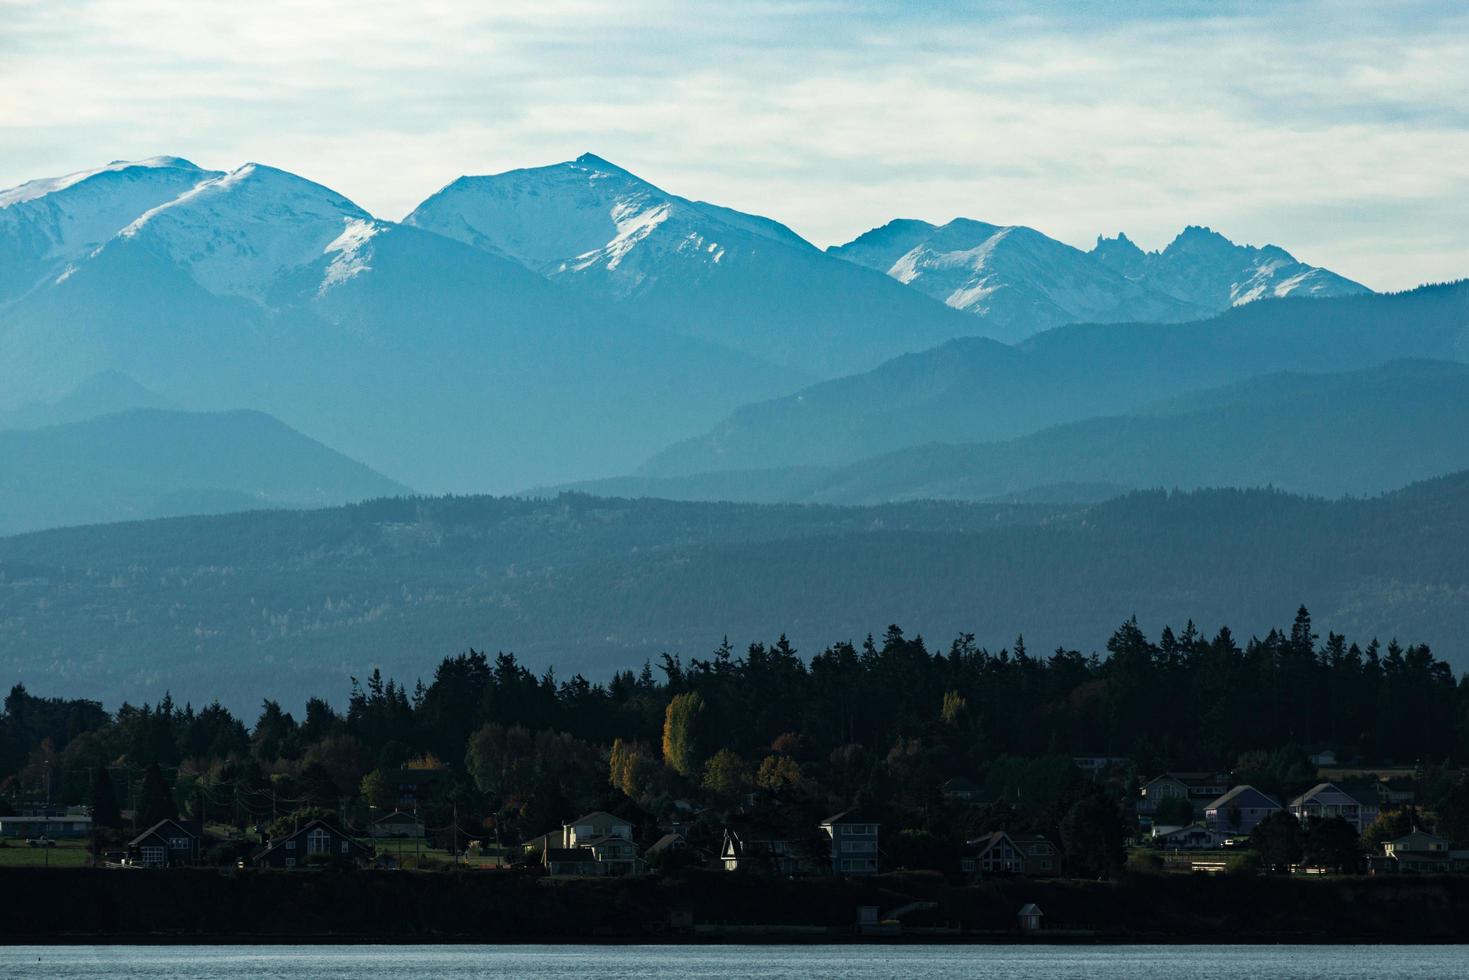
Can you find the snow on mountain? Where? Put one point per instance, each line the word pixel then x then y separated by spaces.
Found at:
pixel 589 215
pixel 242 232
pixel 453 366
pixel 47 225
pixel 1018 279
pixel 1022 281
pixel 1203 267
pixel 740 280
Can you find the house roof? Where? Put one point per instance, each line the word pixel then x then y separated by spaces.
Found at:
pixel 1326 794
pixel 398 816
pixel 1188 778
pixel 579 855
pixel 855 815
pixel 1030 908
pixel 666 842
pixel 603 839
pixel 596 816
pixel 1406 841
pixel 1237 796
pixel 306 828
pixel 158 830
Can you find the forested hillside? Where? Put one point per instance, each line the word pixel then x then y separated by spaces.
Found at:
pixel 271 604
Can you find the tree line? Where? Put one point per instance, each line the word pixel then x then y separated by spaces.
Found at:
pixel 768 736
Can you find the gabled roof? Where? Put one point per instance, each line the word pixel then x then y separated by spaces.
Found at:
pixel 855 815
pixel 1327 794
pixel 578 855
pixel 398 816
pixel 158 830
pixel 1030 908
pixel 990 840
pixel 1238 795
pixel 597 816
pixel 666 842
pixel 307 827
pixel 603 839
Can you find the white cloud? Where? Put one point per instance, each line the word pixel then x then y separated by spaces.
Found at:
pixel 1336 130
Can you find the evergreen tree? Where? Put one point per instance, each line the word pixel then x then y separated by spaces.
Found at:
pixel 156 802
pixel 105 812
pixel 1093 837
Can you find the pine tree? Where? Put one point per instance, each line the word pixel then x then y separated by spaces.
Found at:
pixel 105 812
pixel 157 801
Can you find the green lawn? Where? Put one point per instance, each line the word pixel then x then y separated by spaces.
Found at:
pixel 66 854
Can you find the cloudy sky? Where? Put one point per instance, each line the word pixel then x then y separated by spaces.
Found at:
pixel 1340 131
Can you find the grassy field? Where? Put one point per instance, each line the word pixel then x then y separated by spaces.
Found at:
pixel 66 854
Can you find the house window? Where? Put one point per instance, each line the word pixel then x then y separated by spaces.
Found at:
pixel 290 845
pixel 346 847
pixel 290 862
pixel 318 842
pixel 179 843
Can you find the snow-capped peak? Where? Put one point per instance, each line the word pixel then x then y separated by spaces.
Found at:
pixel 589 216
pixel 240 232
pixel 33 190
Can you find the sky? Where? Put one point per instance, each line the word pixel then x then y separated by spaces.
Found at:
pixel 1337 130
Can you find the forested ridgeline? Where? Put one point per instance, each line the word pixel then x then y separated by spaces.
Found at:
pixel 248 606
pixel 881 725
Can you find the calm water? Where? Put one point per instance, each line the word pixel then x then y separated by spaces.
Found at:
pixel 735 962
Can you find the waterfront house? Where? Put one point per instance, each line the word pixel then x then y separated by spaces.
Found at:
pixel 1029 917
pixel 853 842
pixel 166 844
pixel 1237 811
pixel 1418 852
pixel 1003 853
pixel 318 842
pixel 1326 800
pixel 598 843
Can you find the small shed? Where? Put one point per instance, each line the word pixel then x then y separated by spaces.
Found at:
pixel 1029 917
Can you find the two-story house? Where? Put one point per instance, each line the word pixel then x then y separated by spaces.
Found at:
pixel 1326 800
pixel 1018 854
pixel 853 842
pixel 598 843
pixel 1416 853
pixel 1238 811
pixel 166 844
pixel 316 843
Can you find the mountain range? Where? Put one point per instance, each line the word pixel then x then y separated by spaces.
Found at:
pixel 539 326
pixel 975 390
pixel 1352 433
pixel 1022 282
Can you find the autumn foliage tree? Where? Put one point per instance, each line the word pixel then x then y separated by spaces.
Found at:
pixel 681 733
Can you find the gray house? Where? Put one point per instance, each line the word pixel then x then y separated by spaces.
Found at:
pixel 1326 800
pixel 1239 810
pixel 853 842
